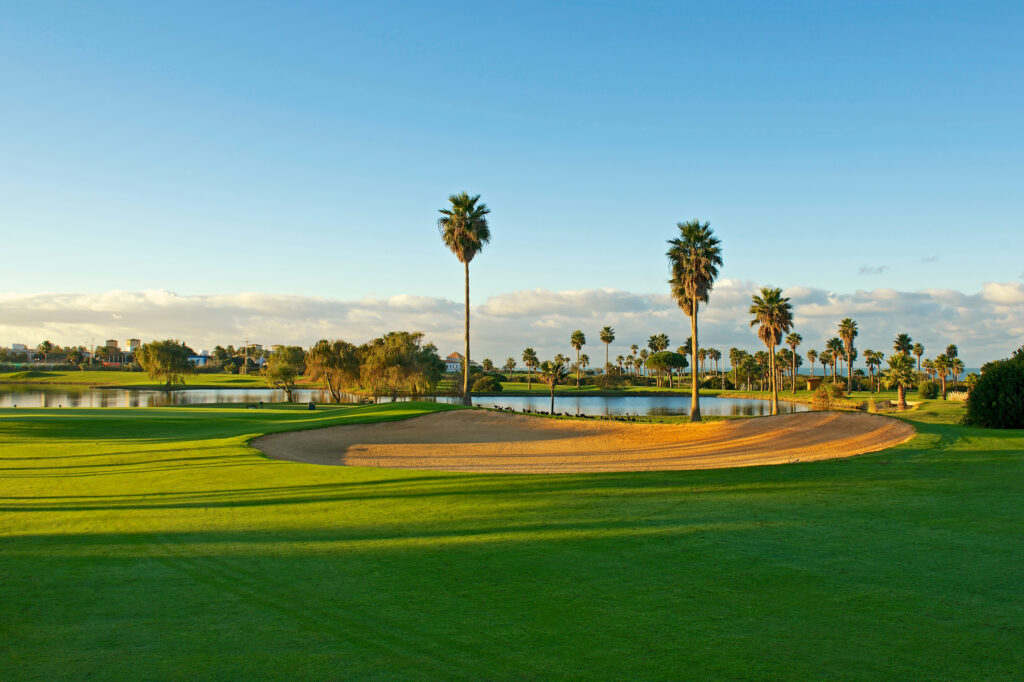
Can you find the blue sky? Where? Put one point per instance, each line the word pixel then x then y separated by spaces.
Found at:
pixel 304 149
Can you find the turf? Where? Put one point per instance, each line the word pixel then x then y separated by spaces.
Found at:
pixel 154 543
pixel 118 379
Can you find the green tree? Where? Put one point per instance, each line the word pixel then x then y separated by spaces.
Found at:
pixel 735 360
pixel 531 361
pixel 607 335
pixel 901 374
pixel 793 340
pixel 902 344
pixel 577 340
pixel 399 361
pixel 166 360
pixel 464 230
pixel 666 361
pixel 487 365
pixel 918 351
pixel 284 365
pixel 848 332
pixel 835 347
pixel 812 355
pixel 941 364
pixel 75 356
pixel 46 347
pixel 509 367
pixel 694 257
pixel 951 351
pixel 554 372
pixel 335 363
pixel 773 316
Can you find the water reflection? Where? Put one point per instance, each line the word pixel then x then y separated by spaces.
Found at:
pixel 24 396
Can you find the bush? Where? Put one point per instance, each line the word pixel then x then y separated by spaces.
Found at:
pixel 609 382
pixel 928 390
pixel 997 401
pixel 486 384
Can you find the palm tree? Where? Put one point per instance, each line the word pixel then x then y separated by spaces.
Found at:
pixel 531 361
pixel 643 362
pixel 577 340
pixel 793 340
pixel 835 347
pixel 847 332
pixel 553 372
pixel 716 355
pixel 46 347
pixel 773 315
pixel 618 361
pixel 464 230
pixel 918 350
pixel 812 355
pixel 951 351
pixel 901 373
pixel 695 257
pixel 510 366
pixel 487 365
pixel 956 368
pixel 637 364
pixel 929 367
pixel 872 359
pixel 607 335
pixel 941 364
pixel 735 358
pixel 902 344
pixel 584 362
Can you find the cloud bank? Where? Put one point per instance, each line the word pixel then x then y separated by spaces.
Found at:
pixel 985 325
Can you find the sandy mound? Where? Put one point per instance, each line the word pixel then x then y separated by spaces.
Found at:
pixel 477 440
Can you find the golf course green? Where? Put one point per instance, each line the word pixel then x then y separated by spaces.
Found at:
pixel 156 544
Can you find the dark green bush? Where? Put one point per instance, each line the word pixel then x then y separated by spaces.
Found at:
pixel 928 390
pixel 609 382
pixel 486 384
pixel 997 401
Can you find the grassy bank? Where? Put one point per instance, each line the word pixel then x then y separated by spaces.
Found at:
pixel 155 543
pixel 139 380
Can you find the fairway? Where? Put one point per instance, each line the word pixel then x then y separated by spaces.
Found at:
pixel 155 543
pixel 497 442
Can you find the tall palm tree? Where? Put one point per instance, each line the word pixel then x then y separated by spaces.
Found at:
pixel 510 366
pixel 531 361
pixel 902 344
pixel 951 351
pixel 553 372
pixel 577 340
pixel 45 348
pixel 464 230
pixel 835 347
pixel 793 340
pixel 901 374
pixel 643 361
pixel 773 316
pixel 941 364
pixel 716 355
pixel 871 358
pixel 918 350
pixel 812 355
pixel 607 335
pixel 695 256
pixel 618 361
pixel 735 358
pixel 956 368
pixel 847 332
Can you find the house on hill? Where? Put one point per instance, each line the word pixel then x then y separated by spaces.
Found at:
pixel 453 363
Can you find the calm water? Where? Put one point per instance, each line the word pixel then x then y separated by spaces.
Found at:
pixel 24 396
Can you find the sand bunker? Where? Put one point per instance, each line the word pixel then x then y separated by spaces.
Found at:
pixel 482 441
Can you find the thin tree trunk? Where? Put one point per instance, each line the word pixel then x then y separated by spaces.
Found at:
pixel 792 371
pixel 849 372
pixel 775 387
pixel 695 390
pixel 552 398
pixel 577 368
pixel 467 398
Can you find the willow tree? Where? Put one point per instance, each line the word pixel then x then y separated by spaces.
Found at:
pixel 607 335
pixel 848 332
pixel 694 256
pixel 166 360
pixel 464 230
pixel 773 317
pixel 335 363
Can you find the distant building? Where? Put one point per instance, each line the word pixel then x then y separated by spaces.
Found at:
pixel 112 345
pixel 199 360
pixel 20 347
pixel 133 345
pixel 453 363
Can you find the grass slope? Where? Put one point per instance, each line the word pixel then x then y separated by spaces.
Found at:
pixel 99 378
pixel 155 543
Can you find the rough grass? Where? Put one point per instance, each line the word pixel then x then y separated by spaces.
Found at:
pixel 99 378
pixel 154 543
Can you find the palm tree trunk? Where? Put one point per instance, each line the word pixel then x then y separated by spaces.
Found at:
pixel 849 372
pixel 577 368
pixel 792 371
pixel 552 398
pixel 467 398
pixel 695 390
pixel 901 392
pixel 606 358
pixel 775 387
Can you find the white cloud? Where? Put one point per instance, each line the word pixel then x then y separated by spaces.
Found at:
pixel 985 325
pixel 872 269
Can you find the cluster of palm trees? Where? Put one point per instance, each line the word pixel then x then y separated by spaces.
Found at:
pixel 695 256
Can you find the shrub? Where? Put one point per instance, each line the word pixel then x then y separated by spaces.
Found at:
pixel 956 396
pixel 609 382
pixel 486 384
pixel 997 401
pixel 928 390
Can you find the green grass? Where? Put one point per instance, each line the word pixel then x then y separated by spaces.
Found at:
pixel 154 543
pixel 97 378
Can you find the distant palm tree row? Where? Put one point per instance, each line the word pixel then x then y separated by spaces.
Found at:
pixel 695 256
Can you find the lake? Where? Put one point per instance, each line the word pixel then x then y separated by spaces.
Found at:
pixel 639 405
